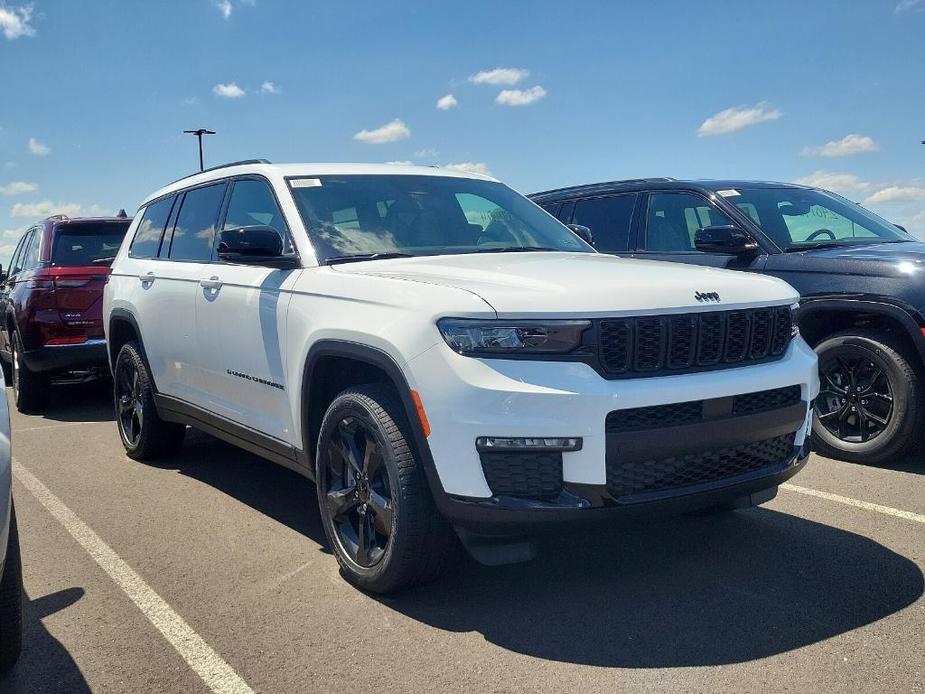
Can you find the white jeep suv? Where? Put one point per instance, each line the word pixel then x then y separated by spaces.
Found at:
pixel 438 353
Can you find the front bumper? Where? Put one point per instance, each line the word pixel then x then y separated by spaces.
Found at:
pixel 59 358
pixel 467 398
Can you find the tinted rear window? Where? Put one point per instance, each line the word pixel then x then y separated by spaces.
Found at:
pixel 85 244
pixel 195 227
pixel 147 239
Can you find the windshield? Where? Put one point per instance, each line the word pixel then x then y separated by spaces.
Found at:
pixel 77 245
pixel 797 218
pixel 385 215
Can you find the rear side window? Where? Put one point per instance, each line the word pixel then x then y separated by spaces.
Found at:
pixel 30 256
pixel 609 220
pixel 147 239
pixel 87 244
pixel 195 228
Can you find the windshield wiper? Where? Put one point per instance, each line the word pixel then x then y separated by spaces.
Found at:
pixel 365 256
pixel 811 246
pixel 104 261
pixel 514 249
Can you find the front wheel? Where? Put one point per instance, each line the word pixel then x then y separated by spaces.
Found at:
pixel 869 407
pixel 378 514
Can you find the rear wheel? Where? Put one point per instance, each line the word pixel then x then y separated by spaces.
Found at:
pixel 378 514
pixel 869 407
pixel 30 389
pixel 11 601
pixel 144 434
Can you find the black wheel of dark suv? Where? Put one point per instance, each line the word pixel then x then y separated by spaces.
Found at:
pixel 144 434
pixel 378 514
pixel 869 407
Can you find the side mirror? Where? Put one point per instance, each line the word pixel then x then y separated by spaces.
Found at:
pixel 726 239
pixel 582 232
pixel 252 245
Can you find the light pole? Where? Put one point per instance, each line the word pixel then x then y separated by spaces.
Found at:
pixel 199 133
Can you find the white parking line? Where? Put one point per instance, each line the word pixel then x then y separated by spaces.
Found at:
pixel 205 662
pixel 848 501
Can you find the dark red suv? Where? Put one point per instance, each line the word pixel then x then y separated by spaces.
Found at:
pixel 51 298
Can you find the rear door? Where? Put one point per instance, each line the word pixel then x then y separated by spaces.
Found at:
pixel 669 221
pixel 241 318
pixel 12 271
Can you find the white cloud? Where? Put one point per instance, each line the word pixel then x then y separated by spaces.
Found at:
pixel 18 188
pixel 229 91
pixel 269 88
pixel 894 193
pixel 46 208
pixel 224 6
pixel 445 103
pixel 520 97
pixel 839 182
pixel 738 117
pixel 500 75
pixel 14 21
pixel 426 153
pixel 37 148
pixel 849 144
pixel 390 132
pixel 470 167
pixel 401 162
pixel 909 6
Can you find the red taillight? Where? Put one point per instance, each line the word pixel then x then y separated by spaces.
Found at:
pixel 77 340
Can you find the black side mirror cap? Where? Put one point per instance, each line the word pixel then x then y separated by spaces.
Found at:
pixel 726 239
pixel 582 232
pixel 254 245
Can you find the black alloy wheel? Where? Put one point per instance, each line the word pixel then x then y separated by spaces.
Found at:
pixel 129 402
pixel 855 400
pixel 357 492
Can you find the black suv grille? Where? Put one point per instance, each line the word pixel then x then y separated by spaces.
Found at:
pixel 765 400
pixel 653 345
pixel 626 480
pixel 532 474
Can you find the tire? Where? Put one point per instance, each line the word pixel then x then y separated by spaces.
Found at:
pixel 11 595
pixel 30 389
pixel 144 434
pixel 891 404
pixel 419 540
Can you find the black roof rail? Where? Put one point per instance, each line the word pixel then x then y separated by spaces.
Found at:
pixel 223 166
pixel 602 184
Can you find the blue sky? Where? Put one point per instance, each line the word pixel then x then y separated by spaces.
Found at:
pixel 94 95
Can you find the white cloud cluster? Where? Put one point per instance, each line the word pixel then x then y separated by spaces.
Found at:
pixel 520 97
pixel 18 188
pixel 225 7
pixel 848 145
pixel 14 21
pixel 896 193
pixel 46 208
pixel 909 6
pixel 507 76
pixel 228 91
pixel 470 167
pixel 390 132
pixel 39 149
pixel 838 182
pixel 445 103
pixel 738 117
pixel 269 88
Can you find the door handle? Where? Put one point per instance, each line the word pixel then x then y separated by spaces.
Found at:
pixel 147 278
pixel 212 283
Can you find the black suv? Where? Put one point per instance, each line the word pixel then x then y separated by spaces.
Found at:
pixel 862 280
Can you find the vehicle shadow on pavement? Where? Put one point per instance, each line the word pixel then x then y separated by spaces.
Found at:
pixel 83 402
pixel 45 665
pixel 680 592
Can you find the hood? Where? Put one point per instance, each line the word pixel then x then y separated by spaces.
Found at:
pixel 585 284
pixel 878 259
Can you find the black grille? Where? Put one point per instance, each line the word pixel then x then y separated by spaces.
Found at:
pixel 531 474
pixel 668 474
pixel 766 400
pixel 653 345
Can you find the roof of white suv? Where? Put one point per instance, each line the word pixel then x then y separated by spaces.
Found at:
pixel 293 170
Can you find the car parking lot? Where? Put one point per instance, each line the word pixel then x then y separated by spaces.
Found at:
pixel 208 571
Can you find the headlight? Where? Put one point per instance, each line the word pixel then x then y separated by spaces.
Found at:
pixel 500 338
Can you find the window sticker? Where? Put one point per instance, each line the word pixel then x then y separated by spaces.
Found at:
pixel 728 193
pixel 305 182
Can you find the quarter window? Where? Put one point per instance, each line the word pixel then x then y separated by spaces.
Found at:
pixel 15 264
pixel 609 219
pixel 195 228
pixel 147 240
pixel 30 256
pixel 673 219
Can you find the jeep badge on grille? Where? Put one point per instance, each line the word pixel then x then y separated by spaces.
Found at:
pixel 706 296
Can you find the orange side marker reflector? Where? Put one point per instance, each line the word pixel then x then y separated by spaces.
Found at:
pixel 923 331
pixel 425 425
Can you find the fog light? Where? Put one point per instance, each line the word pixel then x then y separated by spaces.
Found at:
pixel 508 443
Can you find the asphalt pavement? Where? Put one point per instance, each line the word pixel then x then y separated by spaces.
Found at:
pixel 208 572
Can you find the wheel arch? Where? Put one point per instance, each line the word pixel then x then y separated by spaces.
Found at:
pixel 123 328
pixel 367 364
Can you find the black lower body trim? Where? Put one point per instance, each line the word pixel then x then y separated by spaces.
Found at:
pixel 61 358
